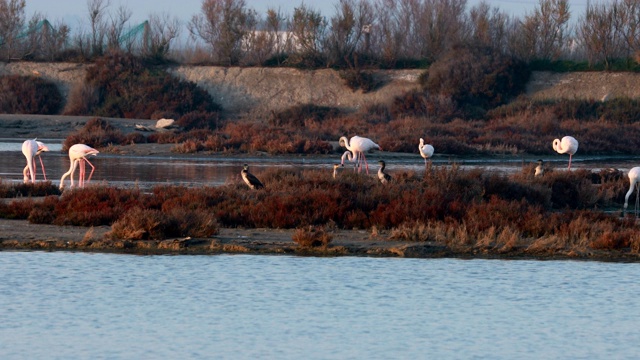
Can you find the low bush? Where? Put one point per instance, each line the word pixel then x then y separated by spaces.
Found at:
pixel 310 237
pixel 96 133
pixel 29 95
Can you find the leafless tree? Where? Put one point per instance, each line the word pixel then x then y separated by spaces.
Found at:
pixel 98 24
pixel 116 27
pixel 12 21
pixel 598 33
pixel 389 32
pixel 543 33
pixel 489 27
pixel 163 30
pixel 438 25
pixel 223 25
pixel 349 26
pixel 308 29
pixel 628 25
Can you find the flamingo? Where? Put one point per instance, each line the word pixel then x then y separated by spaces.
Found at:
pixel 349 156
pixel 426 150
pixel 78 155
pixel 384 177
pixel 539 169
pixel 31 149
pixel 568 145
pixel 358 146
pixel 250 179
pixel 634 179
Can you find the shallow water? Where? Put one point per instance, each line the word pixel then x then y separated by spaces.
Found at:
pixel 65 305
pixel 148 171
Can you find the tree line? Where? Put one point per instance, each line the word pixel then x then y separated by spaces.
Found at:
pixel 382 33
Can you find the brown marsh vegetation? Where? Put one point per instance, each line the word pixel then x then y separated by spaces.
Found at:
pixel 467 211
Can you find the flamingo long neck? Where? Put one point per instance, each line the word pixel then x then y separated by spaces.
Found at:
pixel 348 155
pixel 631 188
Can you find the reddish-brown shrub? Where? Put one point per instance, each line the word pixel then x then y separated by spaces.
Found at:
pixel 95 133
pixel 29 95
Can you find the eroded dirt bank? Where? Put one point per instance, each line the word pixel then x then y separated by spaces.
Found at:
pixel 257 91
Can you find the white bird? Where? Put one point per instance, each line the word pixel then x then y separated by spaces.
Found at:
pixel 31 149
pixel 384 177
pixel 426 150
pixel 539 169
pixel 78 156
pixel 349 156
pixel 358 146
pixel 634 179
pixel 250 179
pixel 568 145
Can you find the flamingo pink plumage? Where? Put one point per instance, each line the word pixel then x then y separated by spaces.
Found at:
pixel 31 149
pixel 568 145
pixel 358 146
pixel 78 155
pixel 634 179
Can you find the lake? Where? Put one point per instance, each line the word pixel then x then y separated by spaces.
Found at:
pixel 198 170
pixel 65 305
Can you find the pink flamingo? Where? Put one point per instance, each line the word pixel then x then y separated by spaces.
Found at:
pixel 426 151
pixel 358 146
pixel 568 145
pixel 31 149
pixel 78 155
pixel 634 179
pixel 349 156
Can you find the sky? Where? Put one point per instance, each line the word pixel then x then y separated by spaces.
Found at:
pixel 74 12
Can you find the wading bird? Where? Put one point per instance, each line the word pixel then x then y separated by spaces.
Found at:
pixel 568 145
pixel 539 169
pixel 31 149
pixel 358 146
pixel 349 156
pixel 250 179
pixel 384 178
pixel 634 178
pixel 78 156
pixel 426 151
pixel 335 170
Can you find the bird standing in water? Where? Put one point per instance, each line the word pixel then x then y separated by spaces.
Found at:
pixel 250 179
pixel 358 146
pixel 634 179
pixel 31 149
pixel 426 150
pixel 78 156
pixel 568 145
pixel 384 177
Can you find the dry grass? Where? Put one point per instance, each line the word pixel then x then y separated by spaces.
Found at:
pixel 310 237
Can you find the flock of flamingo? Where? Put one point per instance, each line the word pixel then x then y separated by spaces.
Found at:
pixel 356 147
pixel 78 154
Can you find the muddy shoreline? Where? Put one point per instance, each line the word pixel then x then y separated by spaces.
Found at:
pixel 20 235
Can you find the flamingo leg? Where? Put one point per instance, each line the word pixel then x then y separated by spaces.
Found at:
pixel 365 163
pixel 92 169
pixel 637 201
pixel 42 165
pixel 570 156
pixel 82 173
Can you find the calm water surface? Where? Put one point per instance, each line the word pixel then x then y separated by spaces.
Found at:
pixel 64 305
pixel 148 171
